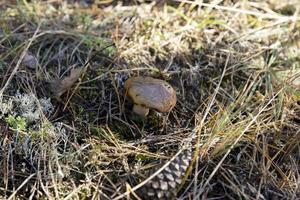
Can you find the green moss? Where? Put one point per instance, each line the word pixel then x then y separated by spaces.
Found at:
pixel 42 133
pixel 140 158
pixel 17 123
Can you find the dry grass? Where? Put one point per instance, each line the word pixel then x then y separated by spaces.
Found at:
pixel 235 67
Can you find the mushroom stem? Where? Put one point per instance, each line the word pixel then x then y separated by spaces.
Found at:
pixel 140 110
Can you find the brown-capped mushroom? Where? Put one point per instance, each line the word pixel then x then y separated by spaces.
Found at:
pixel 150 93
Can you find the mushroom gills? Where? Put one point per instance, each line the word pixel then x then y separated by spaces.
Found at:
pixel 140 110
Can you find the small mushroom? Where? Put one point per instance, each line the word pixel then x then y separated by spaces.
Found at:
pixel 150 93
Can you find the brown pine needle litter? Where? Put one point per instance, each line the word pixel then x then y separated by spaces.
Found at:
pixel 67 130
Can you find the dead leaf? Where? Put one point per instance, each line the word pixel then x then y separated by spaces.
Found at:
pixel 30 61
pixel 60 86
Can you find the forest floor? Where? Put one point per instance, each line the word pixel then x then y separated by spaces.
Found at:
pixel 66 127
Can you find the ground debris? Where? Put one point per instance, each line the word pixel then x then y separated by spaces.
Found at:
pixel 60 86
pixel 30 61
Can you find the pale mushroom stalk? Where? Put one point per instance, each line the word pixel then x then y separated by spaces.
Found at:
pixel 140 110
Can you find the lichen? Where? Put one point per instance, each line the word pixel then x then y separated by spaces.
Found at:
pixel 5 107
pixel 29 107
pixel 24 113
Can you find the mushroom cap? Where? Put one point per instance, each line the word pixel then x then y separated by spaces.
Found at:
pixel 151 93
